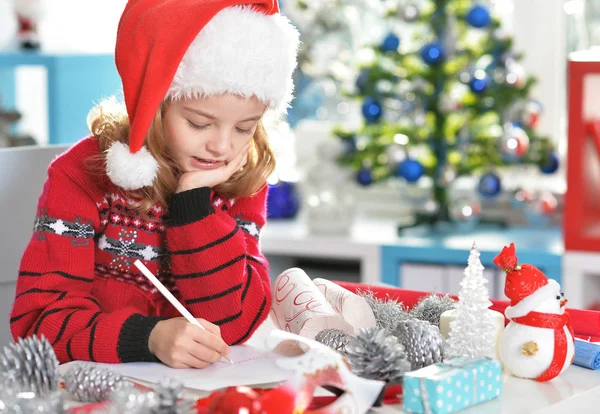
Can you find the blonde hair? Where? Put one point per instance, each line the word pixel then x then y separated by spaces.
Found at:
pixel 109 123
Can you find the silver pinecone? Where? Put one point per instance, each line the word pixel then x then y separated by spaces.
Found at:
pixel 375 354
pixel 30 364
pixel 334 338
pixel 431 307
pixel 388 313
pixel 422 341
pixel 88 383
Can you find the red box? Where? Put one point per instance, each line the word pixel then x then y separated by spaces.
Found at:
pixel 581 224
pixel 586 323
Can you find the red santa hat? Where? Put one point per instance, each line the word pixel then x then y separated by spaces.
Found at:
pixel 526 286
pixel 177 49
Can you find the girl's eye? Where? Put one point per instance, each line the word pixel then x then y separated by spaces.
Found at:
pixel 244 131
pixel 197 127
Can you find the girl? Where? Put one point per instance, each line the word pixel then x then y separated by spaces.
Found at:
pixel 177 182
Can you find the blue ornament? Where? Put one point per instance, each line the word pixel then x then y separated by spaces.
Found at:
pixel 479 16
pixel 411 170
pixel 364 177
pixel 433 53
pixel 371 110
pixel 283 201
pixel 489 185
pixel 479 83
pixel 390 43
pixel 551 165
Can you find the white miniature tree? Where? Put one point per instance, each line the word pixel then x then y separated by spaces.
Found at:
pixel 472 332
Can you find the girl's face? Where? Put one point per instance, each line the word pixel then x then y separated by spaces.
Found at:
pixel 206 133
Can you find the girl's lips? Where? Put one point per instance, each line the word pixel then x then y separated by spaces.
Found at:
pixel 202 164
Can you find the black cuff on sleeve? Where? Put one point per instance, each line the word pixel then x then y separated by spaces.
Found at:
pixel 133 338
pixel 189 206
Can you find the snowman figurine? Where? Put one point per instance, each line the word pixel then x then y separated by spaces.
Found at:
pixel 538 343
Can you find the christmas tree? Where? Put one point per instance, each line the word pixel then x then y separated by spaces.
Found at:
pixel 444 96
pixel 472 333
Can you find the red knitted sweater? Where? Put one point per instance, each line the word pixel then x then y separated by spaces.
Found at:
pixel 78 287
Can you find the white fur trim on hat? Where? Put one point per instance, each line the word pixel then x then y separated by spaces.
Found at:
pixel 130 171
pixel 532 301
pixel 244 52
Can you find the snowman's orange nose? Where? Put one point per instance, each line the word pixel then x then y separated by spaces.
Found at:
pixel 563 302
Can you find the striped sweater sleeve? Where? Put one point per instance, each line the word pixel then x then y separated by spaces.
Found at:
pixel 54 288
pixel 216 261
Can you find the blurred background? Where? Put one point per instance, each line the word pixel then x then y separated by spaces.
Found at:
pixel 419 127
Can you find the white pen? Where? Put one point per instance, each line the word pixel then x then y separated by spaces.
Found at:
pixel 169 296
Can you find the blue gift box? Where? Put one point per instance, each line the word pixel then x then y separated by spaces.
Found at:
pixel 452 385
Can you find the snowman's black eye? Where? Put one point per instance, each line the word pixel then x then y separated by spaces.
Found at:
pixel 558 297
pixel 562 294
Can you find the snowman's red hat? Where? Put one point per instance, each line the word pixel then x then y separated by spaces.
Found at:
pixel 526 286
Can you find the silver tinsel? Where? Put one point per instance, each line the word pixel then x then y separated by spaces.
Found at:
pixel 431 307
pixel 166 398
pixel 15 402
pixel 422 341
pixel 169 395
pixel 88 383
pixel 334 338
pixel 388 313
pixel 29 365
pixel 375 354
pixel 130 402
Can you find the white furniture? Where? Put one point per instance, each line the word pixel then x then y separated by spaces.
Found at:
pixel 582 278
pixel 292 239
pixel 433 264
pixel 22 175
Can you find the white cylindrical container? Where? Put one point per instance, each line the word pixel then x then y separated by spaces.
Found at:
pixel 497 319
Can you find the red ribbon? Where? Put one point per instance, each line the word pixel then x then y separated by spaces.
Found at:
pixel 556 323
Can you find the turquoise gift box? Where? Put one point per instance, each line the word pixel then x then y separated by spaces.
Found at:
pixel 452 385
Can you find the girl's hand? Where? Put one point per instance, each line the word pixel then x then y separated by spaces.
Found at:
pixel 212 178
pixel 179 344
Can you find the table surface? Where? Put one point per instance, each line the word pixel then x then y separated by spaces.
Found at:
pixel 577 389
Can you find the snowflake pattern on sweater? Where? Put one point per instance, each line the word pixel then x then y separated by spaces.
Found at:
pixel 81 231
pixel 78 286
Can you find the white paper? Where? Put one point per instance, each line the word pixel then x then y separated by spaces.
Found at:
pixel 252 366
pixel 354 309
pixel 299 306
